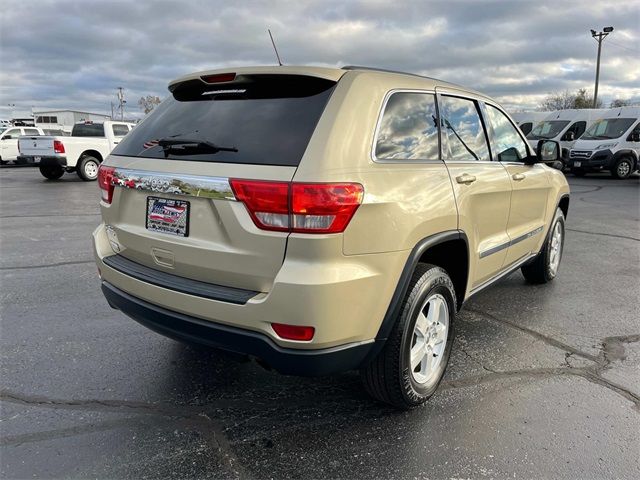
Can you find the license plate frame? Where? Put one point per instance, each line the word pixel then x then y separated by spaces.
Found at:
pixel 168 216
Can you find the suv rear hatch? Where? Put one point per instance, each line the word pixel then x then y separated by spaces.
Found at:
pixel 172 206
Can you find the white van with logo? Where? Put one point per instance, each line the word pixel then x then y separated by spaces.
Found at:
pixel 611 143
pixel 564 126
pixel 528 120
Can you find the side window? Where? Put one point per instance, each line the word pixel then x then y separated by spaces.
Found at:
pixel 506 142
pixel 14 132
pixel 577 128
pixel 31 131
pixel 635 131
pixel 120 130
pixel 526 127
pixel 409 128
pixel 463 130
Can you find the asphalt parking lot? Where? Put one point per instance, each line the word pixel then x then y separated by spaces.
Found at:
pixel 544 381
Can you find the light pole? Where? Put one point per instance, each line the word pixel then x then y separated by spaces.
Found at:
pixel 599 37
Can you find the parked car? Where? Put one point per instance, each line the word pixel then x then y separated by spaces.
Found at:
pixel 611 143
pixel 82 152
pixel 9 141
pixel 324 220
pixel 564 126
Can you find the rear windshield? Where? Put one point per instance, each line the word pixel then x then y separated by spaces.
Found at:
pixel 260 119
pixel 88 130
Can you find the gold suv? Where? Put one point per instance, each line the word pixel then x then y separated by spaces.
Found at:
pixel 324 220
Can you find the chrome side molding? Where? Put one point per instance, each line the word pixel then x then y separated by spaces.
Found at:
pixel 217 188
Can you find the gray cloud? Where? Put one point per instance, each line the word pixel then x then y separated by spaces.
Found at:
pixel 71 54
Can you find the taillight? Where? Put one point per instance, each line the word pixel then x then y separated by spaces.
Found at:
pixel 105 182
pixel 293 332
pixel 299 207
pixel 58 146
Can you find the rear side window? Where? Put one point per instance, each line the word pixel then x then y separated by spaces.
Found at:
pixel 409 128
pixel 463 130
pixel 31 131
pixel 120 130
pixel 257 119
pixel 88 130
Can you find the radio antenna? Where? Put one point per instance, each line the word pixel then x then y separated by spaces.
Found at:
pixel 274 47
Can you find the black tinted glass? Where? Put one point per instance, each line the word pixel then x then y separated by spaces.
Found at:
pixel 462 128
pixel 409 128
pixel 269 119
pixel 88 130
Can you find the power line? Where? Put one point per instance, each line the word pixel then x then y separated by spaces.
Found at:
pixel 623 46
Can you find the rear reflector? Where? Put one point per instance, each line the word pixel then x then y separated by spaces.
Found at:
pixel 58 146
pixel 293 332
pixel 299 207
pixel 219 78
pixel 105 182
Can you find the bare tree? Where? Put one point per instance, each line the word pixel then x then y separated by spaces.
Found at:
pixel 620 102
pixel 148 103
pixel 566 99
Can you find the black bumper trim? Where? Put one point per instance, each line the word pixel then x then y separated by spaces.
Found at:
pixel 44 161
pixel 169 281
pixel 285 360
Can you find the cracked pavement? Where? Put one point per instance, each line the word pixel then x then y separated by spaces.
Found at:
pixel 544 381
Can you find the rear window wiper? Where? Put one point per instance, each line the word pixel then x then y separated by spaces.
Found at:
pixel 185 146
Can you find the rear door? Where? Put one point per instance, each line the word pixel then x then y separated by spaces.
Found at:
pixel 173 208
pixel 481 186
pixel 530 186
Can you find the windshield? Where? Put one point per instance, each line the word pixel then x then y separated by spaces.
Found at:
pixel 266 119
pixel 2 129
pixel 607 128
pixel 548 129
pixel 88 130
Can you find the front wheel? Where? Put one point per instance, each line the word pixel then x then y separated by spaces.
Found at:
pixel 88 168
pixel 544 267
pixel 623 168
pixel 410 366
pixel 51 172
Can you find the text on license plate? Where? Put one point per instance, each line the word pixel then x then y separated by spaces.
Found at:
pixel 168 216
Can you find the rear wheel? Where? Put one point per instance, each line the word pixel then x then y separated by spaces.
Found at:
pixel 410 366
pixel 51 172
pixel 544 267
pixel 622 168
pixel 88 168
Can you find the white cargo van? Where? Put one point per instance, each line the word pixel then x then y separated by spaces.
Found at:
pixel 528 120
pixel 564 126
pixel 611 143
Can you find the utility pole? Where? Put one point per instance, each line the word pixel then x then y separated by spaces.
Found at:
pixel 599 37
pixel 121 102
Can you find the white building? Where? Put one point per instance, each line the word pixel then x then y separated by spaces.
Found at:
pixel 65 119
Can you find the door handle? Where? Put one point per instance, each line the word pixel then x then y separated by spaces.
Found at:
pixel 518 176
pixel 465 178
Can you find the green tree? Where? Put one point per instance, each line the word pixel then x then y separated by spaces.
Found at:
pixel 566 99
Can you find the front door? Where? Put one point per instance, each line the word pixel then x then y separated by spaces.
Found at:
pixel 9 146
pixel 530 187
pixel 482 187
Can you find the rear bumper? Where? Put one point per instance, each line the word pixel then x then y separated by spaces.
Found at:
pixel 37 161
pixel 285 360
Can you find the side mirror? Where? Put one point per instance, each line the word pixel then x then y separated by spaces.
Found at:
pixel 570 136
pixel 7 137
pixel 548 151
pixel 635 136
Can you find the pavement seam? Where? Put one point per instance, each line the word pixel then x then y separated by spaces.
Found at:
pixel 604 234
pixel 47 265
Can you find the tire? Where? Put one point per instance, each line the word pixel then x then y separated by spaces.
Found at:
pixel 623 168
pixel 88 168
pixel 389 377
pixel 544 266
pixel 578 173
pixel 51 172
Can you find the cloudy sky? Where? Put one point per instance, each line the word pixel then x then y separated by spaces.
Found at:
pixel 73 54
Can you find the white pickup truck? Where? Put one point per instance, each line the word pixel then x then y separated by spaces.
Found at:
pixel 82 152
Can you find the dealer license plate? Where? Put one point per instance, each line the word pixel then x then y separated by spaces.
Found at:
pixel 168 216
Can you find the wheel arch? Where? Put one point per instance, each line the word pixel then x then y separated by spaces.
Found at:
pixel 627 152
pixel 431 250
pixel 92 153
pixel 563 204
